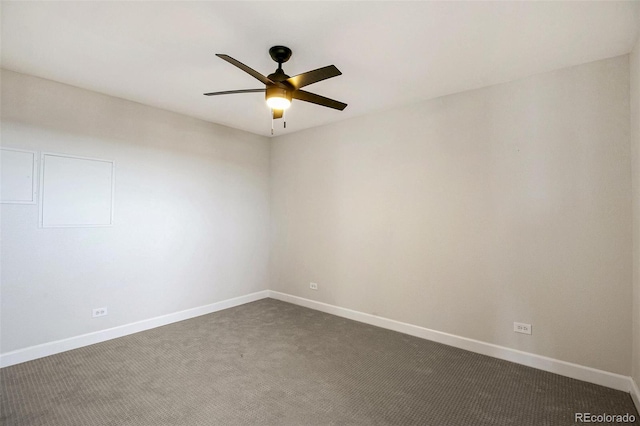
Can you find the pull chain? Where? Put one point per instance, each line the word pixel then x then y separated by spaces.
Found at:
pixel 272 122
pixel 284 117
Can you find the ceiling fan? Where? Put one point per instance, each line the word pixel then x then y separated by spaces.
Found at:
pixel 280 89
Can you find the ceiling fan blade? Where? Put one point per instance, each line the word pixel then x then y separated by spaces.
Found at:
pixel 277 113
pixel 231 92
pixel 310 77
pixel 319 100
pixel 245 68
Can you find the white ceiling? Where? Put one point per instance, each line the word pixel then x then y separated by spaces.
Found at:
pixel 390 53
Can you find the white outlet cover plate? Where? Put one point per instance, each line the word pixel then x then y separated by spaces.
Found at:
pixel 521 327
pixel 100 312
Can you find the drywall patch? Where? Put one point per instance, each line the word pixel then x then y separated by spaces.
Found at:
pixel 76 191
pixel 18 176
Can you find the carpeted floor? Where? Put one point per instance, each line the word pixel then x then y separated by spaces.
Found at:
pixel 273 363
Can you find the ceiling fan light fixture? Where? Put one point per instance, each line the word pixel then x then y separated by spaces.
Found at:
pixel 278 98
pixel 278 103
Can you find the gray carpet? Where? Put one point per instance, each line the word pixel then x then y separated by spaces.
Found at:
pixel 273 363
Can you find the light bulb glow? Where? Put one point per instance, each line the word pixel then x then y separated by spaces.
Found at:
pixel 278 97
pixel 277 102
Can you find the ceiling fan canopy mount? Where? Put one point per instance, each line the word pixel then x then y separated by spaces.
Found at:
pixel 280 54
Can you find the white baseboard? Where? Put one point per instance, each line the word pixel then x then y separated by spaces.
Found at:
pixel 635 394
pixel 568 369
pixel 51 348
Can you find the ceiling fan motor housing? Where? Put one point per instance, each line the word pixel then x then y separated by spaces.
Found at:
pixel 279 76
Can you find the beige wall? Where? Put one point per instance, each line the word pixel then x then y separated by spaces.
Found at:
pixel 191 215
pixel 634 60
pixel 469 212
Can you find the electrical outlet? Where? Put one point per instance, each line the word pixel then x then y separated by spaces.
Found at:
pixel 520 327
pixel 313 286
pixel 100 312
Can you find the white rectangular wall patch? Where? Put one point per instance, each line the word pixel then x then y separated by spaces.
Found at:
pixel 76 191
pixel 18 171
